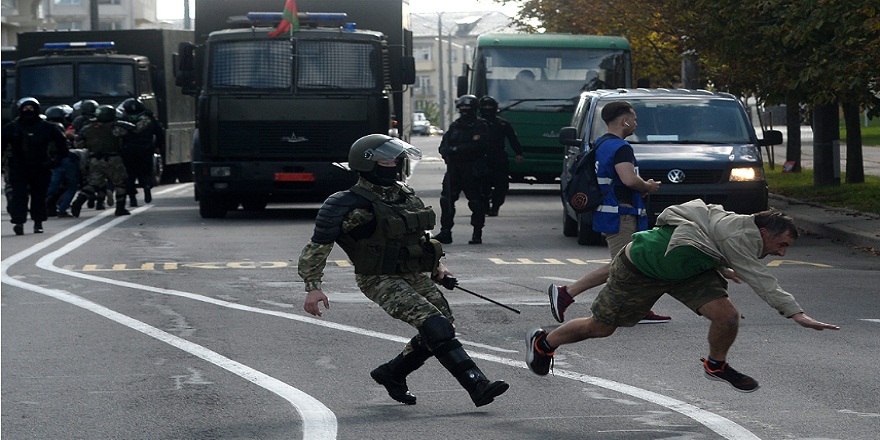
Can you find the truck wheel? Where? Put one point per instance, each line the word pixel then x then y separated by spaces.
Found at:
pixel 184 173
pixel 586 235
pixel 569 225
pixel 210 207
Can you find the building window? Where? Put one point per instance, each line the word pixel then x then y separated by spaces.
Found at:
pixel 69 25
pixel 67 2
pixel 110 25
pixel 423 86
pixel 423 53
pixel 109 2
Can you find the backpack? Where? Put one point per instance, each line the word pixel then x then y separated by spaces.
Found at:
pixel 583 192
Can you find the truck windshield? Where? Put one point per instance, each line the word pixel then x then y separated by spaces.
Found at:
pixel 690 121
pixel 50 81
pixel 544 79
pixel 105 79
pixel 321 65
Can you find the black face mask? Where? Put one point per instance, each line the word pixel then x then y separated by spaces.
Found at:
pixel 28 115
pixel 489 112
pixel 382 176
pixel 468 113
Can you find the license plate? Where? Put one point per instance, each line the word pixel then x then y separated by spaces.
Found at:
pixel 294 177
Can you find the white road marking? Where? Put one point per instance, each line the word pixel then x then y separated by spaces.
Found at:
pixel 718 424
pixel 871 320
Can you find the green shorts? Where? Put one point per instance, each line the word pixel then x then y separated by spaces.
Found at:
pixel 629 295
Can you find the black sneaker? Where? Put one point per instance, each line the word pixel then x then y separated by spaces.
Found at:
pixel 726 373
pixel 538 361
pixel 18 229
pixel 397 389
pixel 38 227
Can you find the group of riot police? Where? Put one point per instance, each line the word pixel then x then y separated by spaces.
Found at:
pixel 477 164
pixel 53 161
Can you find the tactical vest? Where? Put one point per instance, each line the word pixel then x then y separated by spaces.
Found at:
pixel 606 218
pixel 100 139
pixel 399 243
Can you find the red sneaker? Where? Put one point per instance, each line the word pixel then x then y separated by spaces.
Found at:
pixel 559 301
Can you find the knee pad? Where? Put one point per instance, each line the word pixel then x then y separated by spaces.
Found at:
pixel 438 335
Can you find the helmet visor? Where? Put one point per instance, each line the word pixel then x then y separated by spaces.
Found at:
pixel 392 149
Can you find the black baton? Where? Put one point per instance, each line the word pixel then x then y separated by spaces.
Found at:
pixel 451 282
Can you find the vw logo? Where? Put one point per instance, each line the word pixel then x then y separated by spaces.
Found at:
pixel 675 176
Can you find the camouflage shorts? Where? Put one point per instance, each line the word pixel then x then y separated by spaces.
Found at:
pixel 629 295
pixel 411 298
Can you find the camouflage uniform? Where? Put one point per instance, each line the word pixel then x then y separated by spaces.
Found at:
pixel 104 142
pixel 410 297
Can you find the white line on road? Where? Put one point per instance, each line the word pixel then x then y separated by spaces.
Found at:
pixel 718 424
pixel 871 320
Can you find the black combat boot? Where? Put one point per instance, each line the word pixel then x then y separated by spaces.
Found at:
pixel 445 236
pixel 477 238
pixel 148 197
pixel 120 206
pixel 133 201
pixel 482 391
pixel 439 335
pixel 18 228
pixel 51 207
pixel 77 204
pixel 38 227
pixel 392 375
pixel 99 204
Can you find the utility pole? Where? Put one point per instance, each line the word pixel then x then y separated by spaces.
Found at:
pixel 187 20
pixel 442 90
pixel 94 23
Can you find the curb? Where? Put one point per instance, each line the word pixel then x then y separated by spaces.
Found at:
pixel 853 227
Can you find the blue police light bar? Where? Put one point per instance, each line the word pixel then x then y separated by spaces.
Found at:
pixel 80 45
pixel 304 17
pixel 8 63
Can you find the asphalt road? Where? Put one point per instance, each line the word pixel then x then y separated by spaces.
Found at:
pixel 163 325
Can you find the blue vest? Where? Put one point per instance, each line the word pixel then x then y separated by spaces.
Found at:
pixel 606 218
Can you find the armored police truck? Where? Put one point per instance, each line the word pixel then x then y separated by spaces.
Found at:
pixel 278 114
pixel 109 67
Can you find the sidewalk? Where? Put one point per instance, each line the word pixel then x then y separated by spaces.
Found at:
pixel 855 228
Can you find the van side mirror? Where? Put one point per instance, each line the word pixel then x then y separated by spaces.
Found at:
pixel 408 70
pixel 184 68
pixel 771 137
pixel 568 136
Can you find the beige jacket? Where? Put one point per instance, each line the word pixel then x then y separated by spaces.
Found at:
pixel 734 240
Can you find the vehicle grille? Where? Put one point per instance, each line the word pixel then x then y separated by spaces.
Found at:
pixel 691 176
pixel 304 140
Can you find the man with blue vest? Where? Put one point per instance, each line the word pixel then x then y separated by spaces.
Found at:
pixel 622 212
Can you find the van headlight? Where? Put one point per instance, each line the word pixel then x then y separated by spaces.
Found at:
pixel 747 174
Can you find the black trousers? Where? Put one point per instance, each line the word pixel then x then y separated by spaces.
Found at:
pixel 29 187
pixel 498 181
pixel 464 177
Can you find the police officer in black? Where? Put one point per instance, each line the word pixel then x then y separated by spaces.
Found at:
pixel 500 130
pixel 463 148
pixel 31 148
pixel 138 148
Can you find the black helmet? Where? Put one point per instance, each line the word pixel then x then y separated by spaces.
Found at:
pixel 367 151
pixel 28 101
pixel 105 113
pixel 488 106
pixel 470 100
pixel 88 107
pixel 56 114
pixel 133 106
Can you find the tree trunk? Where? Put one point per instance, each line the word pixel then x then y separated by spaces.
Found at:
pixel 855 167
pixel 826 140
pixel 793 127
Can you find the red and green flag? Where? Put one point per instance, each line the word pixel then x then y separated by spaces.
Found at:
pixel 289 20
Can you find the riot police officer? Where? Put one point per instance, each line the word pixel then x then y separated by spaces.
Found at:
pixel 31 148
pixel 381 224
pixel 138 148
pixel 103 139
pixel 87 109
pixel 499 165
pixel 464 148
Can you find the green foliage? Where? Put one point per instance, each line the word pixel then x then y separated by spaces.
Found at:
pixel 863 197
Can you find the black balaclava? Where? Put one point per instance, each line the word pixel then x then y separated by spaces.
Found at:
pixel 489 112
pixel 29 116
pixel 468 112
pixel 384 176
